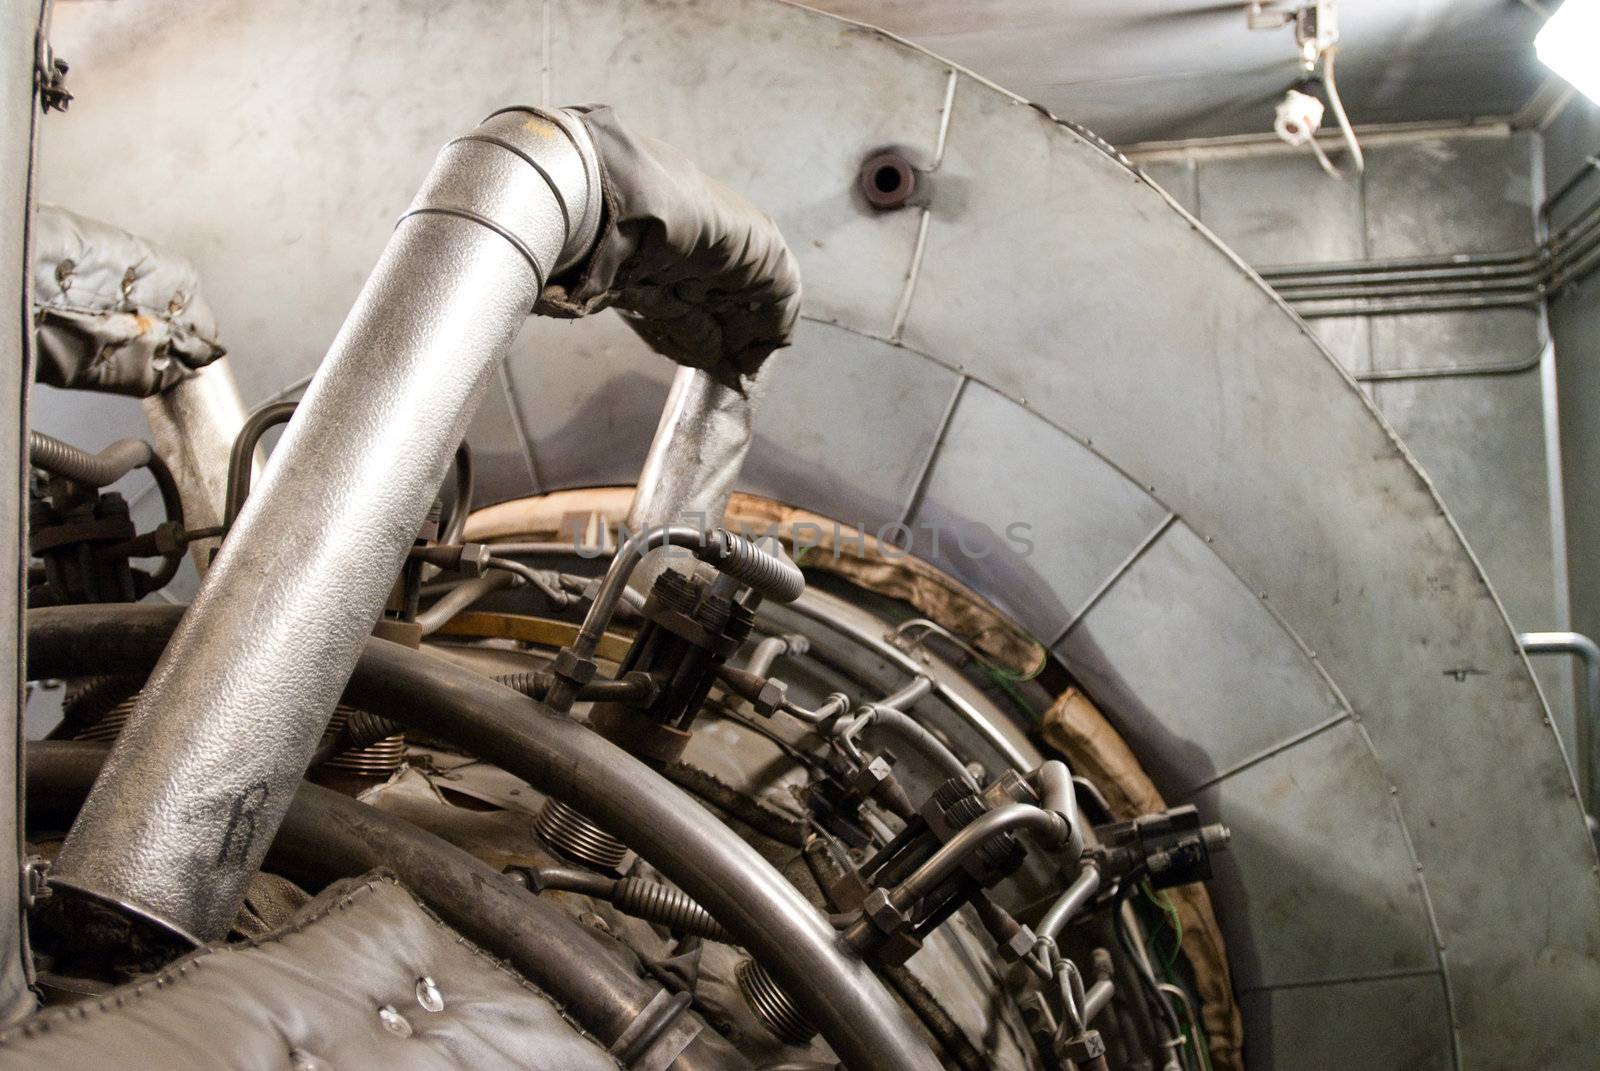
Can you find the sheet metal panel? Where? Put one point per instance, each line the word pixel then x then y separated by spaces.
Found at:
pixel 793 148
pixel 1320 865
pixel 1387 1023
pixel 1473 437
pixel 1226 407
pixel 848 420
pixel 275 143
pixel 998 466
pixel 1200 675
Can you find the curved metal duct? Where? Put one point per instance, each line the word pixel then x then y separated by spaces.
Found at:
pixel 1230 548
pixel 182 815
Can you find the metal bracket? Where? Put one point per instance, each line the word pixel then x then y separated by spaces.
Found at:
pixel 49 75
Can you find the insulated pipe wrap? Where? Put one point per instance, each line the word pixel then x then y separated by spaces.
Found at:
pixel 200 778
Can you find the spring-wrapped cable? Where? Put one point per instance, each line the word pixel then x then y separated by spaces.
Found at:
pixel 573 835
pixel 96 470
pixel 771 1004
pixel 772 574
pixel 666 906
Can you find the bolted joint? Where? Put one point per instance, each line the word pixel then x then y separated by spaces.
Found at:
pixel 573 668
pixel 880 910
pixel 1083 1048
pixel 770 698
pixel 1019 946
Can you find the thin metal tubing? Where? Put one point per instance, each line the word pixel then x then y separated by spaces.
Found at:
pixel 562 692
pixel 948 859
pixel 835 990
pixel 1096 999
pixel 890 653
pixel 242 458
pixel 1079 893
pixel 460 597
pixel 769 649
pixel 326 836
pixel 768 573
pixel 1588 652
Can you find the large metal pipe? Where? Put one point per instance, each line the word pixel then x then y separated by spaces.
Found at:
pixel 836 992
pixel 199 780
pixel 193 425
pixel 694 459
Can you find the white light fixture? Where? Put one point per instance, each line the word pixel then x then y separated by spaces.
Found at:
pixel 1569 44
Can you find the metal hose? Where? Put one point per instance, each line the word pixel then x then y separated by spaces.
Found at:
pixel 640 897
pixel 771 574
pixel 97 470
pixel 106 468
pixel 326 836
pixel 763 911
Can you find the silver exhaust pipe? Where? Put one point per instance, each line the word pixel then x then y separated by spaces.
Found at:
pixel 182 814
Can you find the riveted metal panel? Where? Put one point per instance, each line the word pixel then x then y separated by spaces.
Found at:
pixel 500 462
pixel 1180 178
pixel 589 394
pixel 1225 405
pixel 1200 676
pixel 1387 1023
pixel 847 420
pixel 670 65
pixel 1346 902
pixel 1471 436
pixel 999 466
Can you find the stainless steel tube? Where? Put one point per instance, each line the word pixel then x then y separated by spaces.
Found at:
pixel 1082 889
pixel 1588 652
pixel 694 459
pixel 200 778
pixel 193 425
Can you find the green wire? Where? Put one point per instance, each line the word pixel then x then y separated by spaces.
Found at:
pixel 1169 912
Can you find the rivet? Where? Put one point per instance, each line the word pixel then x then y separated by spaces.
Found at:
pixel 428 995
pixel 301 1060
pixel 394 1022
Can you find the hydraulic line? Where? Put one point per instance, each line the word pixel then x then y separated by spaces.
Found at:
pixel 831 986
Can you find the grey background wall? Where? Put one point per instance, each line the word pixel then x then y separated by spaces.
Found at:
pixel 1569 140
pixel 1483 437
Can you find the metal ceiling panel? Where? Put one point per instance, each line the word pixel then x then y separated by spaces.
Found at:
pixel 999 465
pixel 1201 676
